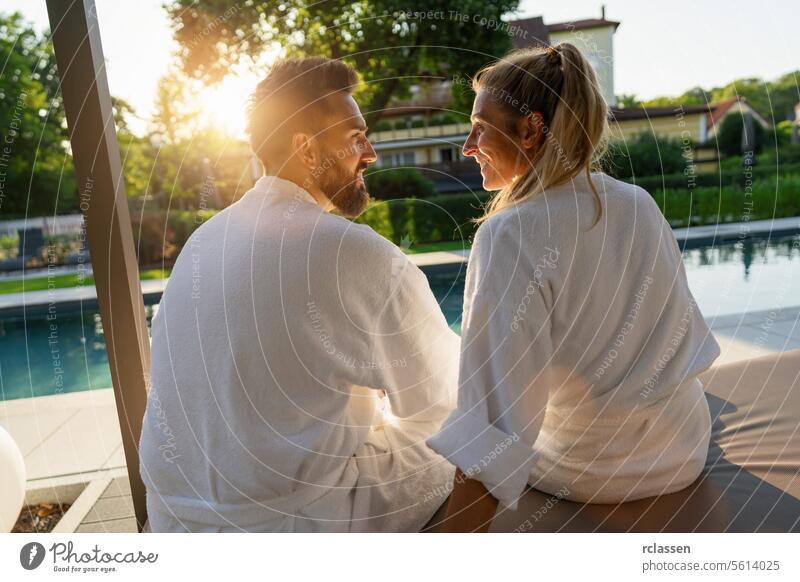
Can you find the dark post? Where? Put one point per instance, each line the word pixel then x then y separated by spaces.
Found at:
pixel 87 103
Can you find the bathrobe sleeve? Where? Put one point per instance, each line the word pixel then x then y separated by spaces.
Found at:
pixel 386 320
pixel 414 350
pixel 504 374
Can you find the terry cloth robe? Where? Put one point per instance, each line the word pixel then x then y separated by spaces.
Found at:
pixel 280 331
pixel 580 352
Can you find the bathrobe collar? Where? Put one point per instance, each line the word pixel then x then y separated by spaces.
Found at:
pixel 275 186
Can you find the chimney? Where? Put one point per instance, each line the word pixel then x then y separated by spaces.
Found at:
pixel 602 12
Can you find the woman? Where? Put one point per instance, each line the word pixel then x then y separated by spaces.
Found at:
pixel 581 342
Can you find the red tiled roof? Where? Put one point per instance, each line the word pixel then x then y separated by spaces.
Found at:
pixel 718 110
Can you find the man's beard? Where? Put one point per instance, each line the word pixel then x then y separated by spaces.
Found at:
pixel 344 191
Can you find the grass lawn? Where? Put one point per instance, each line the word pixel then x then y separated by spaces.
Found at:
pixel 65 281
pixel 73 280
pixel 434 247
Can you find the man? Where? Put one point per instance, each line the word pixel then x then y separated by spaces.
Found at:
pixel 299 359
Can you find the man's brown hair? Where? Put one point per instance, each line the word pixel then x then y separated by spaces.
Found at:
pixel 292 94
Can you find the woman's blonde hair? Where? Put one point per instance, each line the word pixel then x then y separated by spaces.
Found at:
pixel 558 83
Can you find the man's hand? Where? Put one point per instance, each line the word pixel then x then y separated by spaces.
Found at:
pixel 471 507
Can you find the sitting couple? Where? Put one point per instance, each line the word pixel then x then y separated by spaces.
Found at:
pixel 305 379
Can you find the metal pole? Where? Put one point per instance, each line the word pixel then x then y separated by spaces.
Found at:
pixel 87 103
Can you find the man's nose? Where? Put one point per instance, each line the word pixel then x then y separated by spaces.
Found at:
pixel 369 155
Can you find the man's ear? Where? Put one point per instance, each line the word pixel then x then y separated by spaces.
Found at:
pixel 305 150
pixel 531 130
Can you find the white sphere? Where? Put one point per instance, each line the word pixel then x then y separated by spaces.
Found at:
pixel 12 481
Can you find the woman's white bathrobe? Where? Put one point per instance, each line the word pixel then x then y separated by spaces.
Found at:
pixel 278 329
pixel 580 351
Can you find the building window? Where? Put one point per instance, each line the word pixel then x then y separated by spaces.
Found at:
pixel 446 155
pixel 396 159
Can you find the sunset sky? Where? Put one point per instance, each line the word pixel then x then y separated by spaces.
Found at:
pixel 693 43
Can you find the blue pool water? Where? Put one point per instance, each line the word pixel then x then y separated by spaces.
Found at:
pixel 37 360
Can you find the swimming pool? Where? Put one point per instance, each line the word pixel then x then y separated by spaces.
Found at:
pixel 39 357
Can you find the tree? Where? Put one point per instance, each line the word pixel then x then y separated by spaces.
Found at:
pixel 773 100
pixel 626 101
pixel 694 96
pixel 36 172
pixel 391 44
pixel 729 136
pixel 397 183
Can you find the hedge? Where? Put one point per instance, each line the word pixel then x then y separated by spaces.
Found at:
pixel 451 217
pixel 727 177
pixel 435 219
pixel 708 205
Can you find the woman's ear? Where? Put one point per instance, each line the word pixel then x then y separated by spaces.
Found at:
pixel 304 149
pixel 531 130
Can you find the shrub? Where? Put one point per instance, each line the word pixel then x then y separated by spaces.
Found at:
pixel 382 126
pixel 644 154
pixel 732 175
pixel 435 219
pixel 446 119
pixel 185 222
pixel 451 217
pixel 393 183
pixel 154 238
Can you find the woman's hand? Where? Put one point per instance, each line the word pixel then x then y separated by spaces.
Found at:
pixel 470 508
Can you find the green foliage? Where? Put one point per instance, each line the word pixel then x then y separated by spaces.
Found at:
pixel 764 199
pixel 391 183
pixel 694 96
pixel 783 132
pixel 36 174
pixel 734 175
pixel 391 44
pixel 153 237
pixel 644 154
pixel 185 222
pixel 439 218
pixel 729 136
pixel 628 100
pixel 451 218
pixel 789 154
pixel 448 119
pixel 774 100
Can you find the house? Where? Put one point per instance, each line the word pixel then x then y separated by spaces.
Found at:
pixel 423 132
pixel 722 109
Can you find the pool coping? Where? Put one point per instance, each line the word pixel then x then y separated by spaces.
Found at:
pixel 79 298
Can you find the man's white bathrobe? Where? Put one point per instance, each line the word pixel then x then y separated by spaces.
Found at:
pixel 580 352
pixel 279 329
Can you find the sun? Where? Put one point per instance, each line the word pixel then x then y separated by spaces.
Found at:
pixel 224 105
